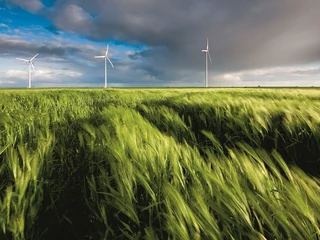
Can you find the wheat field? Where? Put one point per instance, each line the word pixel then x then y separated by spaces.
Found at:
pixel 160 164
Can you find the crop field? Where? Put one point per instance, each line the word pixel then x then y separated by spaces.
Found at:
pixel 160 164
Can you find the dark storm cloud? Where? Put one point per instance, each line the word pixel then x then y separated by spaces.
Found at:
pixel 243 34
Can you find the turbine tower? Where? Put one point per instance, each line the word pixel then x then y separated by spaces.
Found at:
pixel 105 65
pixel 206 51
pixel 30 66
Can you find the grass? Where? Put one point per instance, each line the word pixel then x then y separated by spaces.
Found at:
pixel 160 164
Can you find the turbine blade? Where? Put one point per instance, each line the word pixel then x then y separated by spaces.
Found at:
pixel 32 67
pixel 107 50
pixel 207 44
pixel 209 57
pixel 25 60
pixel 110 62
pixel 99 56
pixel 34 56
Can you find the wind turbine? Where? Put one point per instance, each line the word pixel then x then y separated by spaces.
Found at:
pixel 105 65
pixel 206 51
pixel 30 65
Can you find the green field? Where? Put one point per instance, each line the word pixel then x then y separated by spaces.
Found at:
pixel 160 164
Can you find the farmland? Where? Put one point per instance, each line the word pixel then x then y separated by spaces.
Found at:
pixel 160 164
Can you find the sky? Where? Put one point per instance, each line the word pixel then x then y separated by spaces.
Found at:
pixel 158 43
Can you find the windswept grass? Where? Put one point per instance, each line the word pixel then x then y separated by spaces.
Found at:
pixel 159 164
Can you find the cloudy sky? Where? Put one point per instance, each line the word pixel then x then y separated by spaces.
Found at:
pixel 159 42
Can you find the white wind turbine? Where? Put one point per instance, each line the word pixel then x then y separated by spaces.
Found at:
pixel 206 51
pixel 105 65
pixel 30 66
